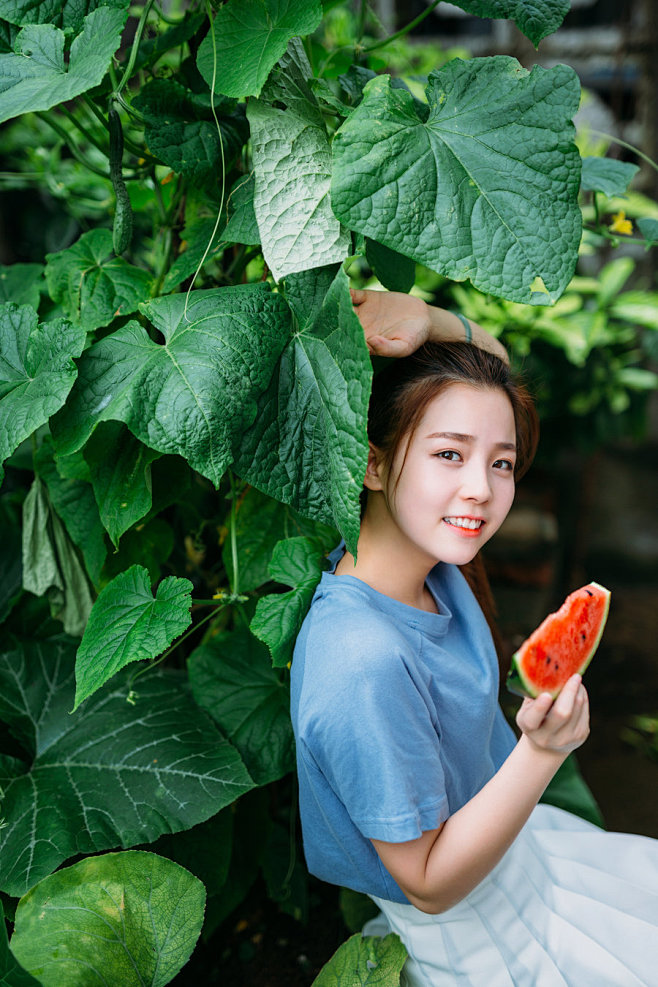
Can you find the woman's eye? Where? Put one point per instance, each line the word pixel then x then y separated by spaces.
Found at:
pixel 504 464
pixel 450 455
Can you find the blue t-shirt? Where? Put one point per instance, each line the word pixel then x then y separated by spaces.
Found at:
pixel 395 712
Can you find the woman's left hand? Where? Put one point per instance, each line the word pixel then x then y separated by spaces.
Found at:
pixel 394 324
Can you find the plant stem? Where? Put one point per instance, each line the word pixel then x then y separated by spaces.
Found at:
pixel 177 642
pixel 135 48
pixel 83 130
pixel 69 143
pixel 403 30
pixel 235 565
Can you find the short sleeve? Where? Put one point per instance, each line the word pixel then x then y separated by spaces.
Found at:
pixel 370 728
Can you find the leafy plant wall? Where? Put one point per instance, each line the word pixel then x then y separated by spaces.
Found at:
pixel 183 390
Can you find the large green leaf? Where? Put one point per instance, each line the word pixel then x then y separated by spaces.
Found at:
pixel 296 562
pixel 232 678
pixel 120 467
pixel 307 446
pixel 485 188
pixel 249 37
pixel 36 372
pixel 127 624
pixel 51 564
pixel 536 20
pixel 11 973
pixel 130 918
pixel 92 284
pixel 260 523
pixel 73 500
pixel 111 774
pixel 365 961
pixel 196 394
pixel 20 283
pixel 36 75
pixel 292 169
pixel 181 131
pixel 68 14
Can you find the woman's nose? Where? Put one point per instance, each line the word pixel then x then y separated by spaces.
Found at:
pixel 476 485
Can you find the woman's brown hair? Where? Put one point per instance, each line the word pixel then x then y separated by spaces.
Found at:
pixel 400 395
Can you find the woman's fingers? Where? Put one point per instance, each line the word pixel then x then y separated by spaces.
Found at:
pixel 561 725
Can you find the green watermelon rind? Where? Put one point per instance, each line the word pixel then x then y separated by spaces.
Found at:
pixel 519 684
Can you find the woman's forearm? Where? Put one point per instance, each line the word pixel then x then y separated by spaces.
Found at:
pixel 444 325
pixel 473 840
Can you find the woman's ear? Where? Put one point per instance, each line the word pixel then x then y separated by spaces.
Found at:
pixel 373 477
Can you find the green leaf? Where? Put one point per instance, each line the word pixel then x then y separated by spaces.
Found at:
pixel 286 878
pixel 251 826
pixel 11 973
pixel 111 774
pixel 201 237
pixel 606 175
pixel 356 908
pixel 485 189
pixel 242 226
pixel 36 372
pixel 181 131
pixel 296 562
pixel 232 679
pixel 195 394
pixel 649 230
pixel 393 270
pixel 11 565
pixel 68 14
pixel 129 918
pixel 364 961
pixel 298 229
pixel 73 501
pixel 536 20
pixel 205 850
pixel 20 283
pixel 261 522
pixel 36 76
pixel 120 468
pixel 307 446
pixel 250 36
pixel 51 564
pixel 148 545
pixel 127 624
pixel 92 284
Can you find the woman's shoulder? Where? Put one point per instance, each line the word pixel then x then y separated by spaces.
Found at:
pixel 345 617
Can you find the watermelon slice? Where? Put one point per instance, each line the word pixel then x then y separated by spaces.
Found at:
pixel 563 644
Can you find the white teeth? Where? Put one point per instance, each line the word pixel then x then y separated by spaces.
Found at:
pixel 464 522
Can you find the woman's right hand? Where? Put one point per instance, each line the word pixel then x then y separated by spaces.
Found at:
pixel 560 726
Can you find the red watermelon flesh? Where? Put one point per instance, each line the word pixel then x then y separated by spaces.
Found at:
pixel 563 644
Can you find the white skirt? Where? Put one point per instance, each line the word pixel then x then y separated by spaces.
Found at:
pixel 569 904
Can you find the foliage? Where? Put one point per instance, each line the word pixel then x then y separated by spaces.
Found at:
pixel 183 393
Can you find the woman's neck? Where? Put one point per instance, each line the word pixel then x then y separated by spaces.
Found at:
pixel 388 571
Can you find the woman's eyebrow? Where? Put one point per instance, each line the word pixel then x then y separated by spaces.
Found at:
pixel 462 437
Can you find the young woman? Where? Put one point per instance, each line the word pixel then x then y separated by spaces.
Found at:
pixel 413 789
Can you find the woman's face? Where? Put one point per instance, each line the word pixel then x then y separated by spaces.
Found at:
pixel 451 486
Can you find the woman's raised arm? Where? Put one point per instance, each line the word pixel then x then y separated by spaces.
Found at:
pixel 396 324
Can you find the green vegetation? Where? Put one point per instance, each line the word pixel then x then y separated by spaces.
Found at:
pixel 183 391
